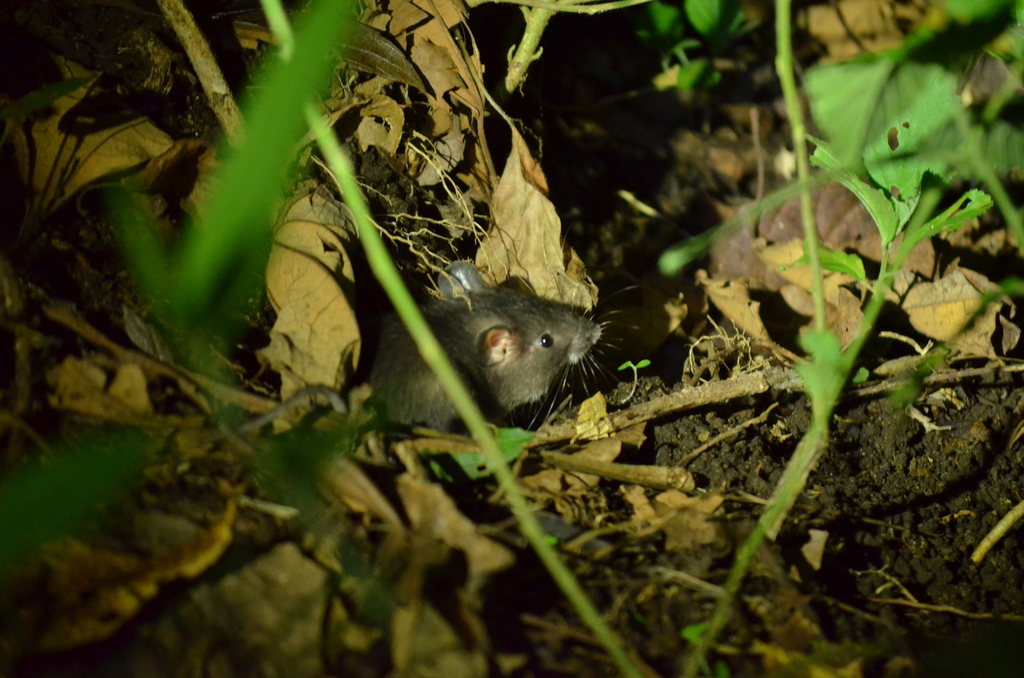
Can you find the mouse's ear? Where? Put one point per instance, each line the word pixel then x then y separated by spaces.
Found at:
pixel 460 278
pixel 499 345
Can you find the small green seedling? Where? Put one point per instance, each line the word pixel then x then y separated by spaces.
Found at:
pixel 629 363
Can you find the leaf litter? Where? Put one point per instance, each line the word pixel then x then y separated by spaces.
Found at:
pixel 415 552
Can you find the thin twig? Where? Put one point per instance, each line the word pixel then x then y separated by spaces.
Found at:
pixel 998 532
pixel 218 94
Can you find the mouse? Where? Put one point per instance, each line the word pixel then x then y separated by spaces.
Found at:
pixel 508 346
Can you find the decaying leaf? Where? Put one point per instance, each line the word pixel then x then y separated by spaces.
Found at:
pixel 525 238
pixel 942 310
pixel 94 590
pixel 685 520
pixel 733 300
pixel 310 282
pixel 82 141
pixel 83 386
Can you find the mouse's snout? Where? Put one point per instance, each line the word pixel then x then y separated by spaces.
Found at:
pixel 589 333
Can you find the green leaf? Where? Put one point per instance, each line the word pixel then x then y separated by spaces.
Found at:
pixel 843 100
pixel 474 465
pixel 861 376
pixel 45 501
pixel 874 200
pixel 660 26
pixel 917 102
pixel 952 219
pixel 693 632
pixel 718 21
pixel 697 74
pixel 840 262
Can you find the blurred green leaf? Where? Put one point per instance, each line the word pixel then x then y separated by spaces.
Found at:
pixel 717 21
pixel 660 26
pixel 843 99
pixel 825 375
pixel 697 74
pixel 874 200
pixel 218 268
pixel 47 500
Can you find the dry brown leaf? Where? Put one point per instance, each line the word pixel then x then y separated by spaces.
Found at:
pixel 432 513
pixel 93 591
pixel 941 310
pixel 641 328
pixel 733 300
pixel 592 422
pixel 691 526
pixel 81 386
pixel 849 27
pixel 80 143
pixel 525 238
pixel 382 119
pixel 315 339
pixel 643 511
pixel 814 549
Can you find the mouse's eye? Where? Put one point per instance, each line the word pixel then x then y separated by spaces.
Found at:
pixel 546 341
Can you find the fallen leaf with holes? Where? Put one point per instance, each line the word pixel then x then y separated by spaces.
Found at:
pixel 92 591
pixel 382 120
pixel 683 519
pixel 848 28
pixel 689 525
pixel 83 140
pixel 310 282
pixel 525 238
pixel 732 298
pixel 942 309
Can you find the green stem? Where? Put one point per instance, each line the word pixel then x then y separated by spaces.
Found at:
pixel 526 52
pixel 784 68
pixel 384 268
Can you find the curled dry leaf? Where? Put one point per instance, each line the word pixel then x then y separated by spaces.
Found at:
pixel 382 120
pixel 525 238
pixel 92 590
pixel 455 103
pixel 733 300
pixel 843 314
pixel 310 282
pixel 942 310
pixel 79 143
